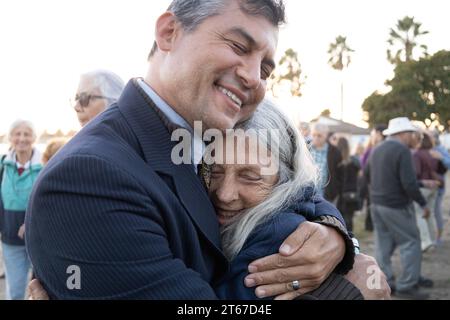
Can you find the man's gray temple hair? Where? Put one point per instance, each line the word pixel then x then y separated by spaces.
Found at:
pixel 320 127
pixel 109 83
pixel 296 173
pixel 191 13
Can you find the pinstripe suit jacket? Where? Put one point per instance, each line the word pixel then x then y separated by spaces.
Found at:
pixel 112 203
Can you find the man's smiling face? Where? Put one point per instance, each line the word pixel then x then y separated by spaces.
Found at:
pixel 217 73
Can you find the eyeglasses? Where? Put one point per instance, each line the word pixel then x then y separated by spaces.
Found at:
pixel 84 99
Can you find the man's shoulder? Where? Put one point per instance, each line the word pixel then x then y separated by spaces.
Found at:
pixel 391 146
pixel 96 147
pixel 100 141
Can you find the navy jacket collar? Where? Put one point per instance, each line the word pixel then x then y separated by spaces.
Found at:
pixel 155 140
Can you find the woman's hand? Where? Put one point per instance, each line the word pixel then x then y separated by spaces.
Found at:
pixel 367 276
pixel 308 256
pixel 21 232
pixel 426 213
pixel 36 291
pixel 431 184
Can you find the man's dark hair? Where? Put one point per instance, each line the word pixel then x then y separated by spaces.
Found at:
pixel 191 13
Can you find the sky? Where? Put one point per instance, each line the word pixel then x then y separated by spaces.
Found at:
pixel 47 44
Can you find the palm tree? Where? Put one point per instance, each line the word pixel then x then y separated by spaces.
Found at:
pixel 405 35
pixel 340 58
pixel 288 72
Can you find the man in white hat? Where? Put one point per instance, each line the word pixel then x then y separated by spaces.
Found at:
pixel 393 188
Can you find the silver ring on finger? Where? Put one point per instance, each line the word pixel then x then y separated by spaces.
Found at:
pixel 296 285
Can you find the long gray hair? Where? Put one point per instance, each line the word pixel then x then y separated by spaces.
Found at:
pixel 297 172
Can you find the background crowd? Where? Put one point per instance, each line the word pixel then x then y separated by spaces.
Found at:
pixel 375 180
pixel 399 180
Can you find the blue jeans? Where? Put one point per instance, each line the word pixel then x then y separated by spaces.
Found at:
pixel 397 228
pixel 438 210
pixel 17 267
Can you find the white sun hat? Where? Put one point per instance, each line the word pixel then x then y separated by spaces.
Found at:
pixel 399 125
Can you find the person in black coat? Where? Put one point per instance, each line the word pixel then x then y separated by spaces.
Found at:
pixel 349 200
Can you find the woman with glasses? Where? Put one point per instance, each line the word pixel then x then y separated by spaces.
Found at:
pixel 96 91
pixel 19 170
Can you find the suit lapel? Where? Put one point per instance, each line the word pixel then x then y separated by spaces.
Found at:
pixel 156 144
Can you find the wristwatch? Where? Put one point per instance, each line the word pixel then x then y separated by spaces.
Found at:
pixel 349 258
pixel 356 245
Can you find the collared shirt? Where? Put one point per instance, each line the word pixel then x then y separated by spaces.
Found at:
pixel 198 145
pixel 25 166
pixel 445 155
pixel 21 168
pixel 320 157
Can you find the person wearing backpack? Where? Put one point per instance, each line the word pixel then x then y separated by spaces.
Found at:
pixel 19 169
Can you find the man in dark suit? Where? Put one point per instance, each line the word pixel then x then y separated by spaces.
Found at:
pixel 113 217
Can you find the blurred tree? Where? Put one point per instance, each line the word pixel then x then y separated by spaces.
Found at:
pixel 420 91
pixel 326 113
pixel 434 77
pixel 288 73
pixel 403 40
pixel 381 108
pixel 340 58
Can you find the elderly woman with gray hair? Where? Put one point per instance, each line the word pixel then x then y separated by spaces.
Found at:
pixel 258 211
pixel 96 91
pixel 18 172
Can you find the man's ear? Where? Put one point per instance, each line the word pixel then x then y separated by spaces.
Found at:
pixel 166 31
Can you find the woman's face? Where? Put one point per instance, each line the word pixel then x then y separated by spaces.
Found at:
pixel 235 188
pixel 22 139
pixel 416 140
pixel 95 105
pixel 333 140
